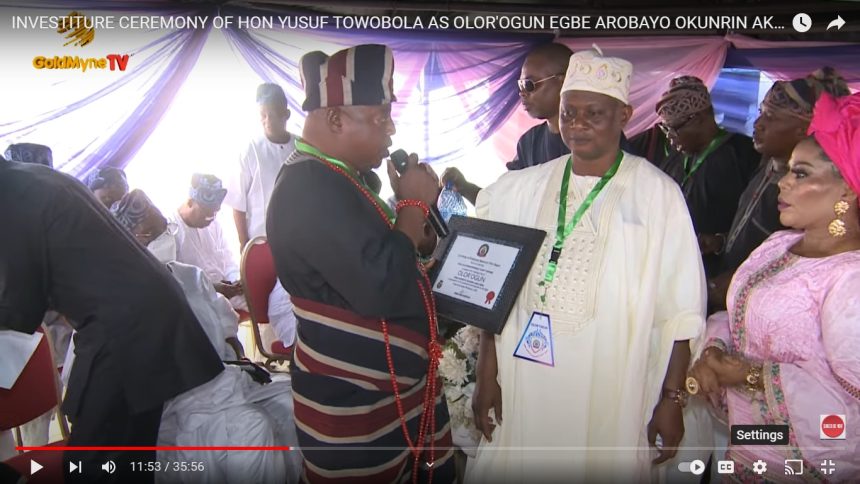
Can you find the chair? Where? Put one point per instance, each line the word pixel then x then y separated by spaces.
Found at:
pixel 258 280
pixel 36 392
pixel 243 315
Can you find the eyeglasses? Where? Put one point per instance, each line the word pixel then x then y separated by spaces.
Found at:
pixel 528 85
pixel 674 129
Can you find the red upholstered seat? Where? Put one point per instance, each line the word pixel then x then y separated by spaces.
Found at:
pixel 279 349
pixel 258 280
pixel 35 392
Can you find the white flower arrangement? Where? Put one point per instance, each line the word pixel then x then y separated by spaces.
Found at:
pixel 457 368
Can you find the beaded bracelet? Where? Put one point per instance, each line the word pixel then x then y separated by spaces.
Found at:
pixel 413 203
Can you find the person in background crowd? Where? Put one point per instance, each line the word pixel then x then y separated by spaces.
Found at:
pixel 539 86
pixel 785 114
pixel 235 408
pixel 200 240
pixel 250 189
pixel 108 184
pixel 712 165
pixel 30 153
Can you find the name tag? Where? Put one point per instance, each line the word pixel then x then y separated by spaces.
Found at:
pixel 536 341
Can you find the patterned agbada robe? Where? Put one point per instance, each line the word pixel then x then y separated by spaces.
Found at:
pixel 346 270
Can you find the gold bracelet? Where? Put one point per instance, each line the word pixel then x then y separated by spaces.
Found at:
pixel 754 382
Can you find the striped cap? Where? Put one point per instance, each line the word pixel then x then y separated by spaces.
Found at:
pixel 358 76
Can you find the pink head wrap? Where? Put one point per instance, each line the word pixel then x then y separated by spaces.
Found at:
pixel 836 127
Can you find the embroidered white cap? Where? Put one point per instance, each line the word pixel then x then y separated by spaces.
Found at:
pixel 590 70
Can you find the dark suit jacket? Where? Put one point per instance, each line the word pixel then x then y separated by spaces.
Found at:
pixel 62 250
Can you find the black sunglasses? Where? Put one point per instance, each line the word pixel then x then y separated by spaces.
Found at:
pixel 528 85
pixel 674 129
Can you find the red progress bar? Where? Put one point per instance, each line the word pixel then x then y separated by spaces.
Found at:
pixel 205 447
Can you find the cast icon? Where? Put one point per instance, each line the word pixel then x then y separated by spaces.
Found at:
pixel 794 467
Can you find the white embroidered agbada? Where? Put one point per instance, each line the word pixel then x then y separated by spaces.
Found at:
pixel 629 284
pixel 207 249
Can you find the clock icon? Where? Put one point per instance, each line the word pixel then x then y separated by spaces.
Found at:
pixel 802 22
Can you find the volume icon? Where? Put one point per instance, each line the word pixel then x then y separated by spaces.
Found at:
pixel 109 467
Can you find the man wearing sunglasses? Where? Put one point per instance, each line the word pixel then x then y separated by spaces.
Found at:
pixel 712 165
pixel 539 86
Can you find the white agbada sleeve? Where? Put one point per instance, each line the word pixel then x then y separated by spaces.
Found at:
pixel 231 268
pixel 212 310
pixel 680 315
pixel 222 312
pixel 681 293
pixel 222 411
pixel 239 184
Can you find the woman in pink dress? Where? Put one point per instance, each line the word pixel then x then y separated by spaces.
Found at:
pixel 788 350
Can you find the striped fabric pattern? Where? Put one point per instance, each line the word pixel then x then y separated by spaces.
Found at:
pixel 358 76
pixel 347 420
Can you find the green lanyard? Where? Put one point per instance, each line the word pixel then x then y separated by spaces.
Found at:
pixel 307 149
pixel 701 158
pixel 564 230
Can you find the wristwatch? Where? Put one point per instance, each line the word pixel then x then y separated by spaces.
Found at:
pixel 677 395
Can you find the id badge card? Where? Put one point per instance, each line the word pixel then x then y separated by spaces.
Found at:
pixel 536 341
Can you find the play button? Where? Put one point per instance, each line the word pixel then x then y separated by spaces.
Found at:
pixel 34 467
pixel 697 467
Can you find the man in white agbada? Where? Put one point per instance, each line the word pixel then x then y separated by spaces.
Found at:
pixel 584 396
pixel 250 189
pixel 200 239
pixel 231 409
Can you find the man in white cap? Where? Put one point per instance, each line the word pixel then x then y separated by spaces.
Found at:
pixel 200 239
pixel 589 369
pixel 248 193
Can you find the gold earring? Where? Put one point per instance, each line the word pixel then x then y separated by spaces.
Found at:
pixel 837 226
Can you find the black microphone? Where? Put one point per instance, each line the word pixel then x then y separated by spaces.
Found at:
pixel 400 159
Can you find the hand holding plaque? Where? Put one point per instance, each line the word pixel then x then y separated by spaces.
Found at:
pixel 482 267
